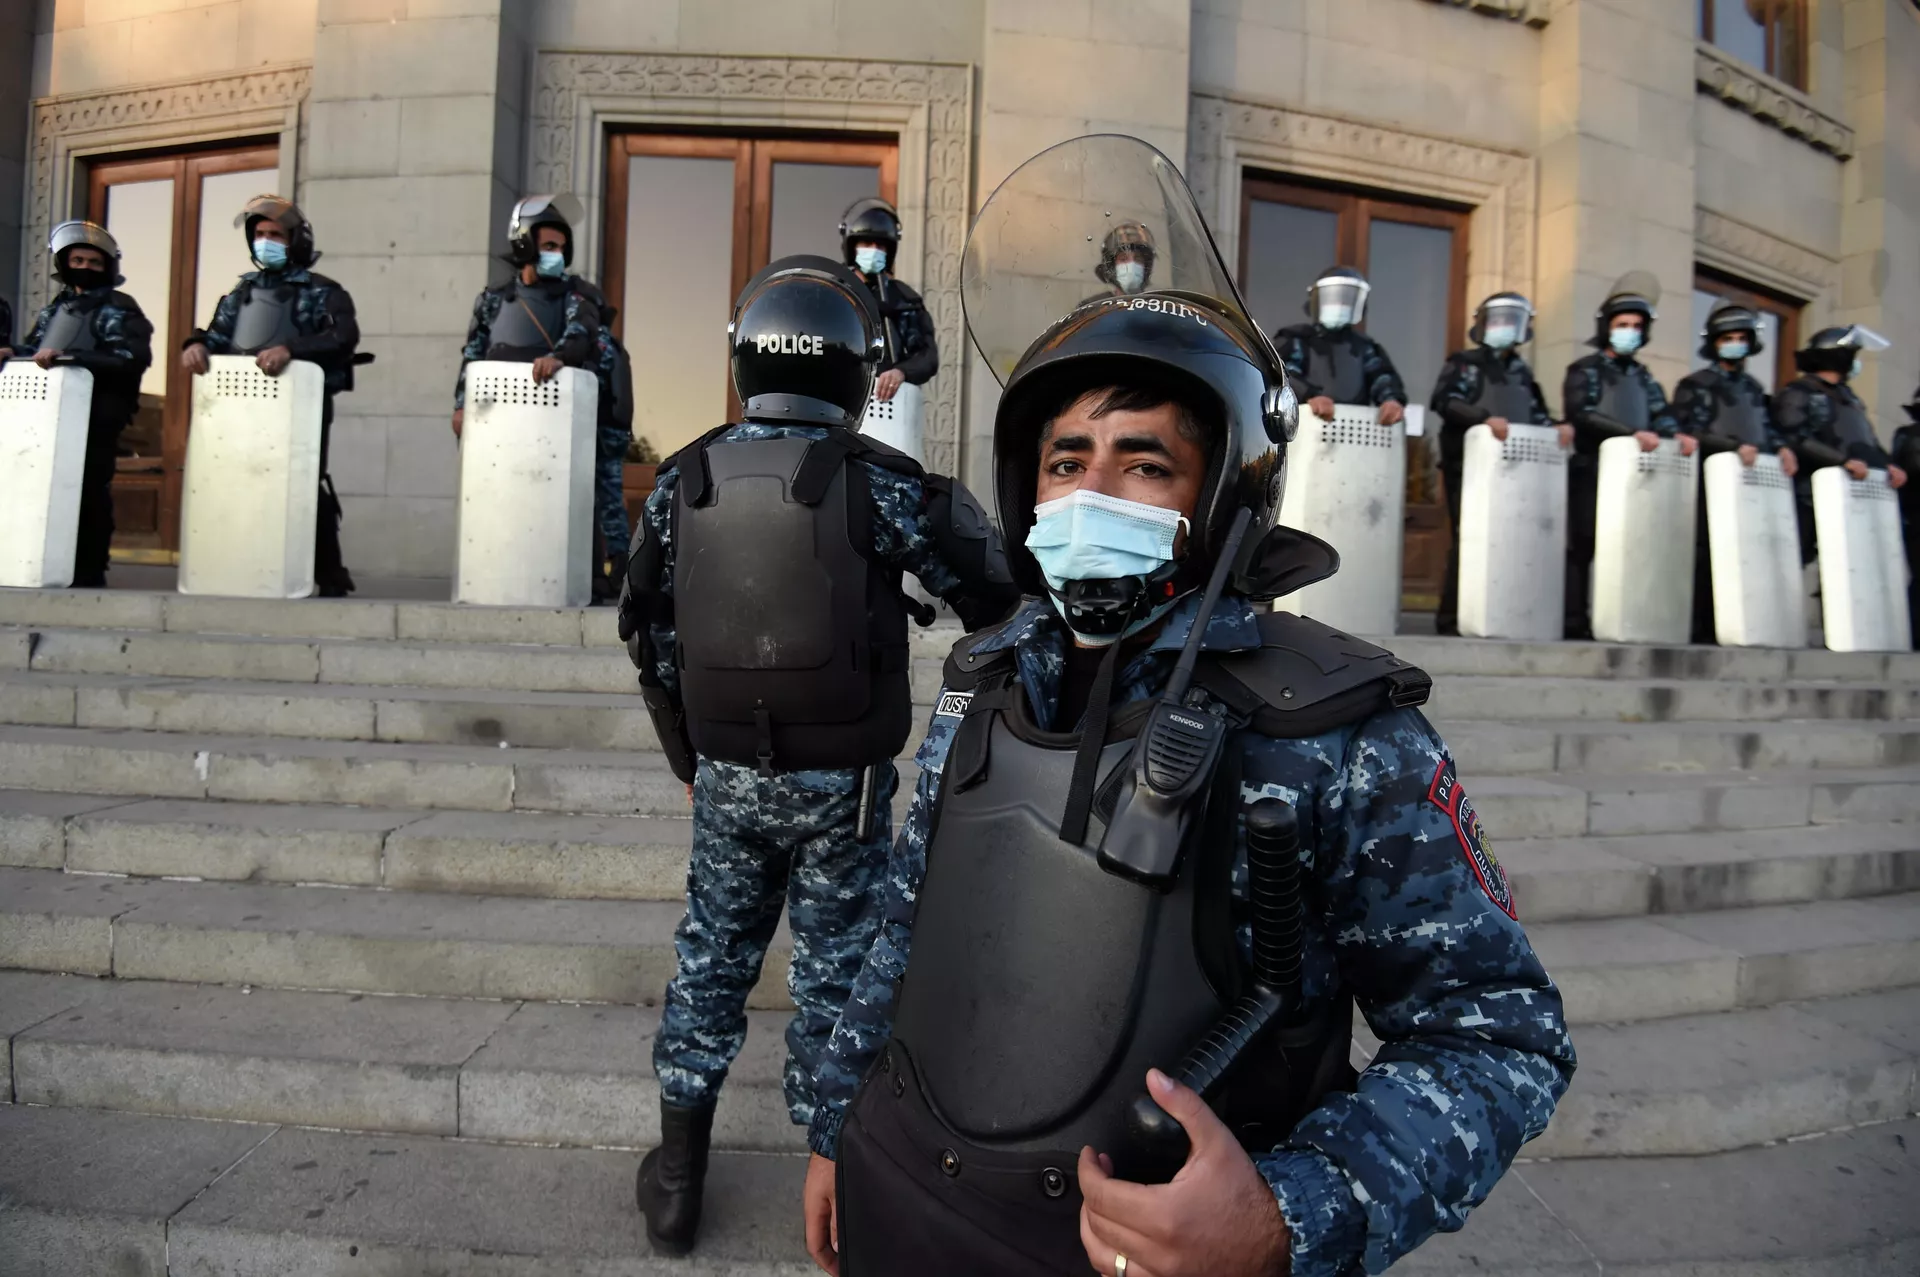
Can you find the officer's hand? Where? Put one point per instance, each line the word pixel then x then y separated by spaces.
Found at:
pixel 888 384
pixel 1217 1218
pixel 194 359
pixel 546 366
pixel 45 357
pixel 1565 430
pixel 274 360
pixel 1789 464
pixel 1896 476
pixel 823 1220
pixel 6 353
pixel 689 793
pixel 1321 406
pixel 1392 412
pixel 1688 445
pixel 459 420
pixel 1500 427
pixel 1748 455
pixel 1648 440
pixel 1858 469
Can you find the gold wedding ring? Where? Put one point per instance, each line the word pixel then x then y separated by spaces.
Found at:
pixel 1119 1265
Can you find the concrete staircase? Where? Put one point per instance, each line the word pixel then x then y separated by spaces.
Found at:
pixel 387 892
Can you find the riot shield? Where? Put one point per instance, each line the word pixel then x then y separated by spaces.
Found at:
pixel 1513 533
pixel 1346 484
pixel 1643 541
pixel 43 454
pixel 1753 538
pixel 526 487
pixel 250 505
pixel 898 422
pixel 1863 563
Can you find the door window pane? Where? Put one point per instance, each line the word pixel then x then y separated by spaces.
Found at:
pixel 1411 270
pixel 1736 30
pixel 678 294
pixel 1287 248
pixel 807 202
pixel 223 255
pixel 140 219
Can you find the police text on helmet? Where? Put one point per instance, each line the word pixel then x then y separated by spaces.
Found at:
pixel 788 344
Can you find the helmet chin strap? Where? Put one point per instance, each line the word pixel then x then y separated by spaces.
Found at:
pixel 1103 608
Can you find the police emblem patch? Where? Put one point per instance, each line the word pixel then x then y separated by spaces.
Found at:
pixel 1446 794
pixel 954 704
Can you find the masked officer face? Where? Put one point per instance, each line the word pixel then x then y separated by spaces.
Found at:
pixel 1627 333
pixel 1151 456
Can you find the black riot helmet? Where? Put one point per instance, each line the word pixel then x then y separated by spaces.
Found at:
pixel 1835 349
pixel 1337 287
pixel 870 219
pixel 68 236
pixel 806 342
pixel 1725 320
pixel 1500 311
pixel 1136 241
pixel 1023 282
pixel 285 214
pixel 533 212
pixel 1634 293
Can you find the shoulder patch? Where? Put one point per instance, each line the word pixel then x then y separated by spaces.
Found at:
pixel 1446 793
pixel 954 704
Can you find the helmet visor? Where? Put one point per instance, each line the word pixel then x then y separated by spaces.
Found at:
pixel 1338 299
pixel 1507 314
pixel 274 208
pixel 75 233
pixel 535 209
pixel 1034 249
pixel 1865 340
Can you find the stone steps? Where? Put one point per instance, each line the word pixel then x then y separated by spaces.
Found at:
pixel 645 857
pixel 367 941
pixel 582 1075
pixel 227 1199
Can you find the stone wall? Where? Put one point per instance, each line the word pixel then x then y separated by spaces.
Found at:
pixel 84 46
pixel 16 73
pixel 886 30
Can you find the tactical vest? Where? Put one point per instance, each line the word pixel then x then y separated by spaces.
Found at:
pixel 1041 988
pixel 265 317
pixel 1510 399
pixel 1850 421
pixel 1623 397
pixel 1336 366
pixel 1737 413
pixel 529 324
pixel 71 328
pixel 792 634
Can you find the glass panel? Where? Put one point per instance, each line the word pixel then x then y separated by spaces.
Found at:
pixel 1287 248
pixel 1411 269
pixel 140 218
pixel 223 255
pixel 807 202
pixel 679 293
pixel 1736 30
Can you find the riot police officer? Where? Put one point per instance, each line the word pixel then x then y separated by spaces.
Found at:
pixel 1825 424
pixel 1095 820
pixel 91 325
pixel 1489 385
pixel 1727 410
pixel 280 312
pixel 1607 394
pixel 1330 357
pixel 870 243
pixel 765 612
pixel 1905 453
pixel 1126 259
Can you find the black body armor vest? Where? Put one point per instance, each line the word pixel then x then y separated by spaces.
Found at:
pixel 1622 397
pixel 529 324
pixel 1850 421
pixel 1738 413
pixel 1512 400
pixel 792 637
pixel 1041 987
pixel 1336 367
pixel 265 319
pixel 71 328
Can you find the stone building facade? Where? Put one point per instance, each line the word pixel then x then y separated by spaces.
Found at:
pixel 1464 145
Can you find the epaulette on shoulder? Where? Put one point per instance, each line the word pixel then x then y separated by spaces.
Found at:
pixel 1307 678
pixel 966 668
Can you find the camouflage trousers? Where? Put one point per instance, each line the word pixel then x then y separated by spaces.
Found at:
pixel 761 843
pixel 609 502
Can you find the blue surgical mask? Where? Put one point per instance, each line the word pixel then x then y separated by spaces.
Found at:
pixel 1854 371
pixel 271 254
pixel 1732 351
pixel 1624 340
pixel 870 259
pixel 1087 536
pixel 1335 314
pixel 1503 337
pixel 552 265
pixel 1130 277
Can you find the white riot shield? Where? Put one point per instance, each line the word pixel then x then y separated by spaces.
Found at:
pixel 1346 484
pixel 1513 534
pixel 252 489
pixel 899 422
pixel 43 453
pixel 1753 538
pixel 1643 543
pixel 1863 565
pixel 526 487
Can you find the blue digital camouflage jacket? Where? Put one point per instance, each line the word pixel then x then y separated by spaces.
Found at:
pixel 1698 397
pixel 1401 915
pixel 1581 392
pixel 323 316
pixel 1383 379
pixel 1806 410
pixel 579 345
pixel 123 348
pixel 1456 392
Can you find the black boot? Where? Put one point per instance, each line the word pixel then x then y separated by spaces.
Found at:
pixel 672 1177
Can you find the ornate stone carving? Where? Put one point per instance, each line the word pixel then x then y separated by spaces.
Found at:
pixel 929 106
pixel 1759 94
pixel 1531 12
pixel 182 110
pixel 1755 254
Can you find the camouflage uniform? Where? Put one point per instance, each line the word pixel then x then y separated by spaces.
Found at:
pixel 122 350
pixel 610 456
pixel 1806 413
pixel 577 347
pixel 1476 1049
pixel 758 840
pixel 1383 380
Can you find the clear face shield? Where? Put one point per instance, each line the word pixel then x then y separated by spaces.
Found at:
pixel 1338 300
pixel 1505 323
pixel 538 208
pixel 1865 340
